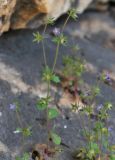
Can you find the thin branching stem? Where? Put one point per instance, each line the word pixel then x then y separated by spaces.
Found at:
pixel 58 45
pixel 47 118
pixel 49 82
pixel 43 46
pixel 56 57
pixel 20 123
pixel 66 21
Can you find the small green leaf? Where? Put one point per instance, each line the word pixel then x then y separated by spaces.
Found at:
pixel 91 153
pixel 105 144
pixel 112 157
pixel 55 79
pixel 26 131
pixel 53 113
pixel 18 158
pixel 108 106
pixel 94 147
pixel 17 106
pixel 37 37
pixel 47 74
pixel 73 13
pixel 50 21
pixel 61 39
pixel 56 139
pixel 112 148
pixel 18 130
pixel 26 156
pixel 104 130
pixel 42 103
pixel 96 90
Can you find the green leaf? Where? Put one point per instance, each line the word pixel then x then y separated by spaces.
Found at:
pixel 73 13
pixel 113 148
pixel 53 113
pixel 73 66
pixel 26 131
pixel 17 106
pixel 26 156
pixel 56 139
pixel 96 90
pixel 61 39
pixel 105 144
pixel 55 79
pixel 112 157
pixel 94 147
pixel 37 37
pixel 50 21
pixel 18 130
pixel 91 153
pixel 42 103
pixel 108 106
pixel 47 74
pixel 18 158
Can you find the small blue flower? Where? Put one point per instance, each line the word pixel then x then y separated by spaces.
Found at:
pixel 12 106
pixel 87 94
pixel 56 31
pixel 107 77
pixel 99 107
pixel 110 129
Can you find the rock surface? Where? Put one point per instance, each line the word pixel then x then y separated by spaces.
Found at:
pixel 5 153
pixel 21 63
pixel 17 14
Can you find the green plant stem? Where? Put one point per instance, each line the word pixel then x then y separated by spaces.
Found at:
pixel 58 45
pixel 90 134
pixel 44 53
pixel 20 123
pixel 44 31
pixel 43 47
pixel 66 21
pixel 83 124
pixel 49 82
pixel 101 144
pixel 56 57
pixel 47 118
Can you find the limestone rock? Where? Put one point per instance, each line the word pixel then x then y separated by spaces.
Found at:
pixel 17 14
pixel 4 152
pixel 32 13
pixel 82 5
pixel 6 10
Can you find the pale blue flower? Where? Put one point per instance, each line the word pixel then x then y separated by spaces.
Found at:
pixel 56 31
pixel 12 106
pixel 110 128
pixel 99 107
pixel 107 77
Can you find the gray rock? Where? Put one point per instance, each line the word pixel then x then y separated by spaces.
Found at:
pixel 17 14
pixel 21 63
pixel 5 154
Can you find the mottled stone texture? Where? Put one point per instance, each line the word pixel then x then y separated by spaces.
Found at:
pixel 7 8
pixel 16 14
